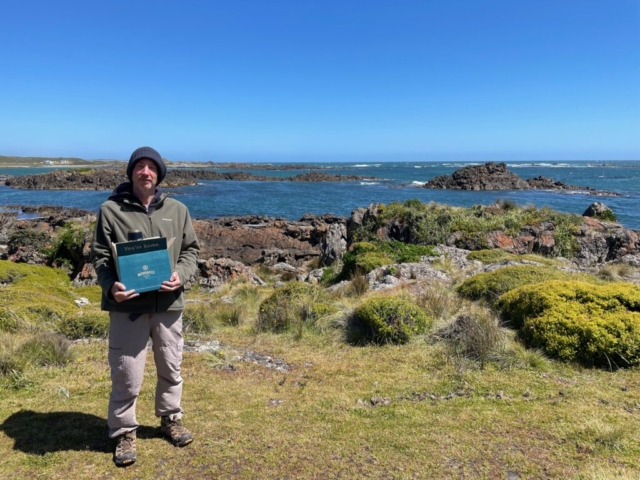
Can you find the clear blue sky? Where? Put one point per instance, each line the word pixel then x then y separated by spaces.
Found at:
pixel 295 80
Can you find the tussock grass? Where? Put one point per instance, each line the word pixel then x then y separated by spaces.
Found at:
pixel 438 301
pixel 475 334
pixel 359 284
pixel 19 354
pixel 199 317
pixel 616 271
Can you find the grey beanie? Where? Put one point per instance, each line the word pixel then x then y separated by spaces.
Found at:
pixel 151 154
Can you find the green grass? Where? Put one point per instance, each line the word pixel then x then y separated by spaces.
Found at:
pixel 497 255
pixel 523 422
pixel 453 412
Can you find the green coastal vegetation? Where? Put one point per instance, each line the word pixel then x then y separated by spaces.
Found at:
pixel 529 370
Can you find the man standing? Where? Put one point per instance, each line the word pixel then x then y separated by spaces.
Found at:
pixel 134 317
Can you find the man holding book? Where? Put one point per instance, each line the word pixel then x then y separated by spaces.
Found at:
pixel 135 316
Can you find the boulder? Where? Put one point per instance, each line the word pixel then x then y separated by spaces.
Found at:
pixel 598 210
pixel 215 272
pixel 334 244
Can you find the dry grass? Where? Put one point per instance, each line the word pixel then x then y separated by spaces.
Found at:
pixel 522 414
pixel 439 301
pixel 616 271
pixel 254 422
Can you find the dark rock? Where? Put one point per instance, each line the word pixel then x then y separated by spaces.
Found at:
pixel 490 176
pixel 108 179
pixel 495 176
pixel 598 210
pixel 253 240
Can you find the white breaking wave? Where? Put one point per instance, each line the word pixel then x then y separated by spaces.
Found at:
pixel 418 184
pixel 369 183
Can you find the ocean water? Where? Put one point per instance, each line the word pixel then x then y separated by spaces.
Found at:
pixel 385 182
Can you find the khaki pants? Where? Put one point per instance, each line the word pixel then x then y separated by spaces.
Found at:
pixel 127 355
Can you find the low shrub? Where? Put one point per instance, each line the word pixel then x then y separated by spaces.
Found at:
pixel 67 247
pixel 490 285
pixel 363 257
pixel 367 262
pixel 30 238
pixel 330 275
pixel 401 252
pixel 199 318
pixel 291 305
pixel 607 215
pixel 576 321
pixel 85 324
pixel 387 320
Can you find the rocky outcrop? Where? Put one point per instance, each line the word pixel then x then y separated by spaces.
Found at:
pixel 495 176
pixel 215 272
pixel 108 179
pixel 490 176
pixel 334 244
pixel 248 240
pixel 28 231
pixel 593 241
pixel 266 240
pixel 231 244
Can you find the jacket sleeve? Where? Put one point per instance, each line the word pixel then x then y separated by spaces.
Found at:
pixel 189 252
pixel 101 256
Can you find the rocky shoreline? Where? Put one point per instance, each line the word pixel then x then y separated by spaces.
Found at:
pixel 231 245
pixel 107 179
pixel 495 176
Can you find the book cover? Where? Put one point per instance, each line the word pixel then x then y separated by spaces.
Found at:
pixel 143 265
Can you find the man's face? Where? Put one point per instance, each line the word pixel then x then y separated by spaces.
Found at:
pixel 145 174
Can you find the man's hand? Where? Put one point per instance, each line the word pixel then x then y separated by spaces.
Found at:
pixel 121 294
pixel 172 284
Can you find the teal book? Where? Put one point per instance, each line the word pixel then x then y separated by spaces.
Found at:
pixel 143 265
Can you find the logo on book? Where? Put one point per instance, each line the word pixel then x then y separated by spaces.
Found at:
pixel 146 272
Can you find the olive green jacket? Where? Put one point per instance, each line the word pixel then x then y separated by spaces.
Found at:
pixel 165 217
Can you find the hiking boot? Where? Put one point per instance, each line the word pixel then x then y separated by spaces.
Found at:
pixel 125 449
pixel 176 432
